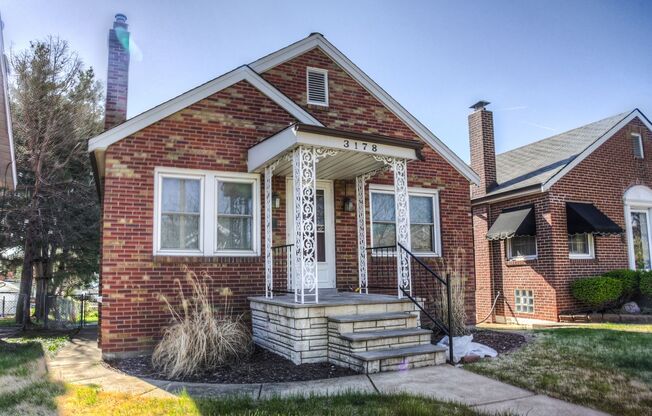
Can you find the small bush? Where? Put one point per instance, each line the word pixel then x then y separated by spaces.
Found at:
pixel 630 280
pixel 646 284
pixel 597 292
pixel 202 337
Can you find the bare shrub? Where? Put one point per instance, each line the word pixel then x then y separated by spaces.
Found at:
pixel 202 336
pixel 454 268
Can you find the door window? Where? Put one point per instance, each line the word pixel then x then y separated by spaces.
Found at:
pixel 321 227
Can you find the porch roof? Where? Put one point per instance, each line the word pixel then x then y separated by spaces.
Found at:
pixel 354 156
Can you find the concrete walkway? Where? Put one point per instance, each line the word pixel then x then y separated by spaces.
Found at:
pixel 79 362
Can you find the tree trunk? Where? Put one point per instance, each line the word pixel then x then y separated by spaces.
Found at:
pixel 22 309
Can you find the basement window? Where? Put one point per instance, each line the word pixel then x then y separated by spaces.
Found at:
pixel 524 300
pixel 637 144
pixel 317 86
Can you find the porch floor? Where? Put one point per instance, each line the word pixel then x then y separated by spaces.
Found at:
pixel 330 298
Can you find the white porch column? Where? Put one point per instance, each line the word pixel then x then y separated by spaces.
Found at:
pixel 305 229
pixel 402 213
pixel 362 233
pixel 269 266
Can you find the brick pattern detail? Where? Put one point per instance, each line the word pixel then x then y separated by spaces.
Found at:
pixel 601 179
pixel 483 150
pixel 215 134
pixel 117 80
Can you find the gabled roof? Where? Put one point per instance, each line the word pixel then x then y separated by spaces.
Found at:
pixel 540 164
pixel 250 73
pixel 316 40
pixel 186 99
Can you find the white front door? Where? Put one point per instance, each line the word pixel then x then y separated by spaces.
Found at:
pixel 325 230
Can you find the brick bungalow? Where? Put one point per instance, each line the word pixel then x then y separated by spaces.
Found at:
pixel 572 205
pixel 205 180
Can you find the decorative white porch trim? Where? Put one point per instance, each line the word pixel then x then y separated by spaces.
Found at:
pixel 269 266
pixel 305 228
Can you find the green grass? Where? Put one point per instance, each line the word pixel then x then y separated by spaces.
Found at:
pixel 26 389
pixel 24 384
pixel 605 366
pixel 11 321
pixel 91 401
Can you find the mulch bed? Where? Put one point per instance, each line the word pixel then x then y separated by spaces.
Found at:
pixel 499 340
pixel 262 367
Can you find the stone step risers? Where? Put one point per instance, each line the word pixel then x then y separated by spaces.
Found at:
pixel 372 322
pixel 390 359
pixel 394 359
pixel 375 340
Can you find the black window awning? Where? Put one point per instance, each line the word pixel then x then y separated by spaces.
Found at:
pixel 584 218
pixel 513 222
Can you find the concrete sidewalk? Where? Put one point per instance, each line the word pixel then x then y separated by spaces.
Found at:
pixel 79 362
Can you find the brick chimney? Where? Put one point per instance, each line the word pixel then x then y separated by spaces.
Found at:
pixel 117 80
pixel 483 149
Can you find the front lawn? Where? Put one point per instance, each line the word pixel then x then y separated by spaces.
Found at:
pixel 89 401
pixel 605 366
pixel 26 389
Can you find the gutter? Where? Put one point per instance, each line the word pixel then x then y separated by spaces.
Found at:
pixel 96 175
pixel 515 193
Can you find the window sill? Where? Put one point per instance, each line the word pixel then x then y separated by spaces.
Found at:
pixel 583 259
pixel 167 259
pixel 521 262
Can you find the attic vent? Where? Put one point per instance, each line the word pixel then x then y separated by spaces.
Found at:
pixel 317 83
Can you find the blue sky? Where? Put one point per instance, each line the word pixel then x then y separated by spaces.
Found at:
pixel 546 66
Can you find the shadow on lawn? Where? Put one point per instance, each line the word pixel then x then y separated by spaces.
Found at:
pixel 24 384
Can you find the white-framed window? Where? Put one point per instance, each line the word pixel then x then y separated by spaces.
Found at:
pixel 524 300
pixel 425 234
pixel 317 86
pixel 637 145
pixel 180 203
pixel 522 247
pixel 580 246
pixel 206 213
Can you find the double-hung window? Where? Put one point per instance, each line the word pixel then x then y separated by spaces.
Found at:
pixel 522 247
pixel 580 246
pixel 206 213
pixel 424 219
pixel 180 207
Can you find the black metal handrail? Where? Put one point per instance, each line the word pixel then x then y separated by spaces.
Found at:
pixel 282 268
pixel 389 269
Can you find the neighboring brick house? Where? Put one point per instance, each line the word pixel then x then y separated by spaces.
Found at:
pixel 572 205
pixel 185 184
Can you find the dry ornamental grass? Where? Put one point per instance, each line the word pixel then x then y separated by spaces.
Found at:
pixel 202 336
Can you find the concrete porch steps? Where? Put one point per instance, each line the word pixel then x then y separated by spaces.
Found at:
pixel 375 342
pixel 404 358
pixel 372 322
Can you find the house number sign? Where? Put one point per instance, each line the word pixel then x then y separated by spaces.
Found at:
pixel 356 145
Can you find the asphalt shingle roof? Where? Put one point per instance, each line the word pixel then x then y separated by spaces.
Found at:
pixel 537 162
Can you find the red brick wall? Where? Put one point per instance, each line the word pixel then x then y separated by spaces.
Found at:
pixel 537 275
pixel 215 134
pixel 483 150
pixel 207 135
pixel 601 179
pixel 350 106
